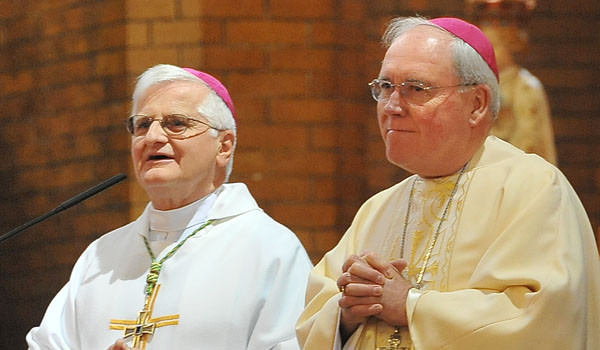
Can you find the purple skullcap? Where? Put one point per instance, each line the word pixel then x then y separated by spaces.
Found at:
pixel 216 85
pixel 472 36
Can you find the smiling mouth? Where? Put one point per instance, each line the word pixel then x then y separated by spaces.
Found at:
pixel 398 130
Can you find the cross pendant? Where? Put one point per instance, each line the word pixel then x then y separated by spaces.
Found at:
pixel 140 329
pixel 394 342
pixel 144 326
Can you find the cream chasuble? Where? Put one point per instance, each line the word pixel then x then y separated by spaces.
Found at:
pixel 238 283
pixel 514 267
pixel 428 202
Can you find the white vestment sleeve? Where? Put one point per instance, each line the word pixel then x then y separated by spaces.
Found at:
pixel 58 328
pixel 289 270
pixel 50 334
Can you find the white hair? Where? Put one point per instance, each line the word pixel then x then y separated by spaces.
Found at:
pixel 213 108
pixel 470 66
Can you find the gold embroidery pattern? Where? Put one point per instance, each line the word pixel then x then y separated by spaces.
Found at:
pixel 434 201
pixel 431 196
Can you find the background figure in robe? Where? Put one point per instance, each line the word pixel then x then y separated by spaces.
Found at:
pixel 485 247
pixel 203 267
pixel 524 119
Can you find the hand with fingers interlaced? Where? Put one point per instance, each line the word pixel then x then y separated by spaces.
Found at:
pixel 372 286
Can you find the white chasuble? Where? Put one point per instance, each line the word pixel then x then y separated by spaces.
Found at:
pixel 514 267
pixel 236 284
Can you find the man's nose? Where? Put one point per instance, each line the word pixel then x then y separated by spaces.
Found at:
pixel 395 104
pixel 156 133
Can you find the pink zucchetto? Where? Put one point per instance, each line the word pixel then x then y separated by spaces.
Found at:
pixel 472 36
pixel 216 85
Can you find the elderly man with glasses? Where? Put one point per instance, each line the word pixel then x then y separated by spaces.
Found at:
pixel 203 267
pixel 484 247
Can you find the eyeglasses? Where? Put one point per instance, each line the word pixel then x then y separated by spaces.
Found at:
pixel 413 92
pixel 173 124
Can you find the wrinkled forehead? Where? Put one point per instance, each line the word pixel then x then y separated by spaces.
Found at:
pixel 420 49
pixel 174 96
pixel 427 36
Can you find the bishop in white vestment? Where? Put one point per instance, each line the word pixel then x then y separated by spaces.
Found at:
pixel 237 284
pixel 203 267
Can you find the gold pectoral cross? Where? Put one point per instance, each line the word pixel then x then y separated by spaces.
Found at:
pixel 394 342
pixel 144 326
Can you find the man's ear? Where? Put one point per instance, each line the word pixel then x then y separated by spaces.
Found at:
pixel 226 141
pixel 481 102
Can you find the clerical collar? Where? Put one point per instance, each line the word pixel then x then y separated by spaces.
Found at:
pixel 169 225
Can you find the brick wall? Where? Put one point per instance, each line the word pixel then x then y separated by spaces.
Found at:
pixel 308 146
pixel 62 88
pixel 294 70
pixel 565 55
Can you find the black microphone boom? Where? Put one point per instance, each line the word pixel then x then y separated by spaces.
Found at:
pixel 67 204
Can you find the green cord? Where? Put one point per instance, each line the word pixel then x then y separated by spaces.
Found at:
pixel 155 267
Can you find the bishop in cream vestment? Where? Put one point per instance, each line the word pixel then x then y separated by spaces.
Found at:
pixel 515 265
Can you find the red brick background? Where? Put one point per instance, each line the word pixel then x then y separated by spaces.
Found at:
pixel 297 71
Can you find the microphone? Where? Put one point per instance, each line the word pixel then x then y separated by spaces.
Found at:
pixel 67 204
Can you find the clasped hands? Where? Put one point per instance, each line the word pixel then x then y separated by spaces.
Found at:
pixel 372 287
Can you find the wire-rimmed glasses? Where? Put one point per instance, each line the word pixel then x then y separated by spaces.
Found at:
pixel 413 92
pixel 172 124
